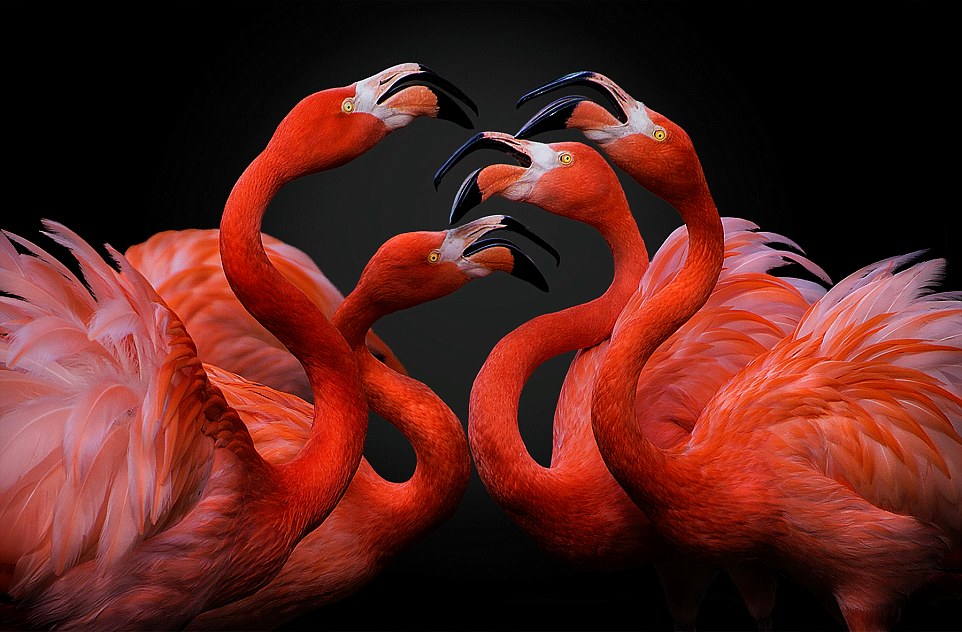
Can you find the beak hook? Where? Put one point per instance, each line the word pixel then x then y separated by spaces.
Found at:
pixel 614 94
pixel 448 108
pixel 484 140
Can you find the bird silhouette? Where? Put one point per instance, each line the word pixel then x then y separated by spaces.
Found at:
pixel 573 509
pixel 132 493
pixel 835 456
pixel 184 267
pixel 376 518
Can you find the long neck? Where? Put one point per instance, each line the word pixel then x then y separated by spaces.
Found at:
pixel 312 483
pixel 443 464
pixel 509 473
pixel 648 474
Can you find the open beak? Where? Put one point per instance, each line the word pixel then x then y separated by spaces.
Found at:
pixel 558 114
pixel 478 254
pixel 471 194
pixel 405 91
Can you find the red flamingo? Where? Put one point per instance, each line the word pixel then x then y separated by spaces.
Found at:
pixel 376 519
pixel 184 267
pixel 835 456
pixel 132 494
pixel 574 509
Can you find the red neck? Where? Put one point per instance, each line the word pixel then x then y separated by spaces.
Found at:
pixel 443 464
pixel 313 482
pixel 646 472
pixel 510 474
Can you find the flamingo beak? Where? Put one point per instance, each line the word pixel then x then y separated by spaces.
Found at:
pixel 470 195
pixel 553 116
pixel 618 98
pixel 410 75
pixel 480 254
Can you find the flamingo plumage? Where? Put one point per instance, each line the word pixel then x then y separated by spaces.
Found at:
pixel 376 518
pixel 573 509
pixel 132 494
pixel 835 455
pixel 184 267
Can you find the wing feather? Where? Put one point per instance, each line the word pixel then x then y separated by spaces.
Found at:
pixel 866 389
pixel 100 424
pixel 747 313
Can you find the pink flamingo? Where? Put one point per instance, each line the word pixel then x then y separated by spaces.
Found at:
pixel 835 456
pixel 376 519
pixel 132 493
pixel 184 267
pixel 574 509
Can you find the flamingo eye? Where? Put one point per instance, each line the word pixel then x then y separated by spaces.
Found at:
pixel 347 106
pixel 660 135
pixel 434 257
pixel 566 158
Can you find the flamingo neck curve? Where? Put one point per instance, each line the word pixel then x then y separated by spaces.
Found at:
pixel 650 475
pixel 442 461
pixel 511 475
pixel 308 487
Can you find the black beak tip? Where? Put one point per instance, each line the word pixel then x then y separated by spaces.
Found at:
pixel 512 224
pixel 449 110
pixel 456 157
pixel 581 77
pixel 468 196
pixel 553 116
pixel 526 270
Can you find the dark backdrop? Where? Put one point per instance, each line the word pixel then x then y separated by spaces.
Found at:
pixel 831 123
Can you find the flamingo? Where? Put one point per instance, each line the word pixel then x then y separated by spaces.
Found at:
pixel 614 135
pixel 131 493
pixel 376 518
pixel 574 509
pixel 184 267
pixel 835 456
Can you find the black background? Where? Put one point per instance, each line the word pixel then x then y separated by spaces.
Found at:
pixel 835 124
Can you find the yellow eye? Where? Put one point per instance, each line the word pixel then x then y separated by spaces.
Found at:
pixel 434 257
pixel 566 158
pixel 660 135
pixel 347 106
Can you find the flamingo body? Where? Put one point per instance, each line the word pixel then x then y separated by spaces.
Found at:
pixel 375 519
pixel 839 451
pixel 575 509
pixel 832 456
pixel 136 494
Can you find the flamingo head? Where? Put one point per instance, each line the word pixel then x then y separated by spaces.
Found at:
pixel 417 267
pixel 332 127
pixel 569 179
pixel 652 149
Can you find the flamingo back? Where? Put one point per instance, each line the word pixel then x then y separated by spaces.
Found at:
pixel 101 415
pixel 867 391
pixel 747 313
pixel 185 268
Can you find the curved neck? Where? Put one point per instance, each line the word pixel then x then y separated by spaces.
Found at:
pixel 442 461
pixel 316 478
pixel 650 477
pixel 506 467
